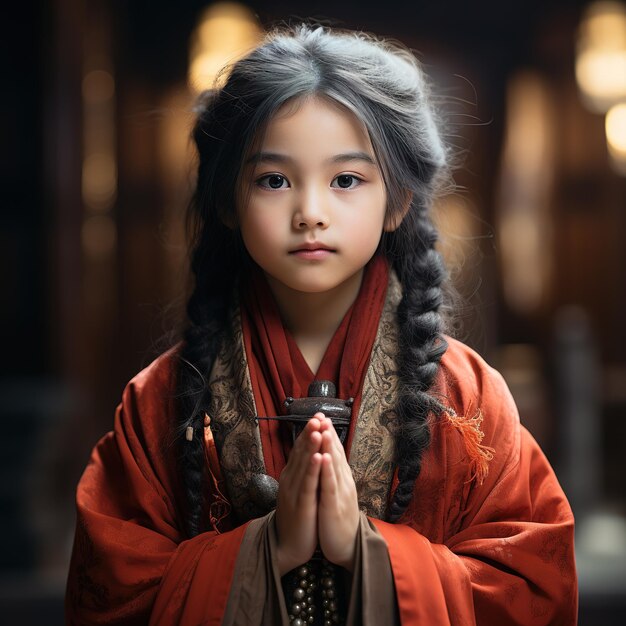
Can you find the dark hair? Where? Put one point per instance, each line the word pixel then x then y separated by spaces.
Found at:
pixel 381 83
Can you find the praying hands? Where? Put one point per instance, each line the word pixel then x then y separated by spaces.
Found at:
pixel 317 500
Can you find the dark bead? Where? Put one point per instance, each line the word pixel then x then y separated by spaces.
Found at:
pixel 327 582
pixel 298 593
pixel 330 593
pixel 298 622
pixel 303 571
pixel 263 491
pixel 332 605
pixel 296 608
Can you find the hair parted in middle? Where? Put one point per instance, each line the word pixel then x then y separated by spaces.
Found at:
pixel 382 84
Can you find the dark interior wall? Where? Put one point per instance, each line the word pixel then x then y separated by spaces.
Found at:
pixel 23 276
pixel 23 222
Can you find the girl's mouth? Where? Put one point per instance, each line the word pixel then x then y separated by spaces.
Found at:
pixel 313 251
pixel 316 254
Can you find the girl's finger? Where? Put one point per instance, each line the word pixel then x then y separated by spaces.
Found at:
pixel 325 422
pixel 303 442
pixel 313 425
pixel 328 480
pixel 332 445
pixel 327 425
pixel 337 443
pixel 309 442
pixel 310 482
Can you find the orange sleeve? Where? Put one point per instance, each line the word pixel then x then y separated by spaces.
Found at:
pixel 503 550
pixel 130 563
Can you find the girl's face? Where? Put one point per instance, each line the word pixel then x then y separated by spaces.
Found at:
pixel 313 199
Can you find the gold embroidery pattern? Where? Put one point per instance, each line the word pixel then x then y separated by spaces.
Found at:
pixel 234 424
pixel 372 451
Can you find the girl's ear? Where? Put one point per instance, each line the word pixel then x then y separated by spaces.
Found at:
pixel 393 220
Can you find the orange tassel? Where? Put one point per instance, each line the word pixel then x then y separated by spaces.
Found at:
pixel 479 455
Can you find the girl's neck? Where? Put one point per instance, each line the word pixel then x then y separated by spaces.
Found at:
pixel 313 318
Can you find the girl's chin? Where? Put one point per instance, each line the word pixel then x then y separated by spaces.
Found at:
pixel 312 285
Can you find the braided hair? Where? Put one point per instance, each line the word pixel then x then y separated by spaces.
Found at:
pixel 382 84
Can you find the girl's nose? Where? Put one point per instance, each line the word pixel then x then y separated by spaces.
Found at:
pixel 310 212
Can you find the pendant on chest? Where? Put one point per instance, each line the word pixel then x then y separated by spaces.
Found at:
pixel 320 399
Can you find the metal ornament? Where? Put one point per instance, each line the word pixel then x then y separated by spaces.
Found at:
pixel 320 399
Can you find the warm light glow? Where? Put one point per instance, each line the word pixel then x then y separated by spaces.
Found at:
pixel 601 58
pixel 604 24
pixel 98 236
pixel 615 126
pixel 99 181
pixel 454 218
pixel 602 75
pixel 527 133
pixel 523 217
pixel 226 32
pixel 204 69
pixel 99 168
pixel 522 250
pixel 98 86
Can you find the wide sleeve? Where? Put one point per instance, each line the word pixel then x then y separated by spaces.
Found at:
pixel 506 551
pixel 130 563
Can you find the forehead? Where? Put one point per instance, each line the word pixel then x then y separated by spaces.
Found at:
pixel 314 123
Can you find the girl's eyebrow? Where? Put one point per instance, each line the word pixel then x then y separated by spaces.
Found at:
pixel 275 157
pixel 353 156
pixel 268 157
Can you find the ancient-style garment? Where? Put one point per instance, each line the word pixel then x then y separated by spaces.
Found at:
pixel 487 538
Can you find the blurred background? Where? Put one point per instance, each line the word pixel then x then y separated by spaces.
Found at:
pixel 97 170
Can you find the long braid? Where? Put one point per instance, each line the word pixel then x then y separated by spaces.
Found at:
pixel 198 353
pixel 421 347
pixel 215 264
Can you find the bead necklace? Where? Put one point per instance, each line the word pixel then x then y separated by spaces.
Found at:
pixel 312 595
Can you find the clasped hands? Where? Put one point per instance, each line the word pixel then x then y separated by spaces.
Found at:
pixel 317 500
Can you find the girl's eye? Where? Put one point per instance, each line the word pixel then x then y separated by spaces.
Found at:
pixel 346 181
pixel 273 181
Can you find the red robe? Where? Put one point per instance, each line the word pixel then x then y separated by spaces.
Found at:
pixel 474 546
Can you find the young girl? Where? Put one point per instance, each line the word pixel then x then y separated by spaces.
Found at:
pixel 408 493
